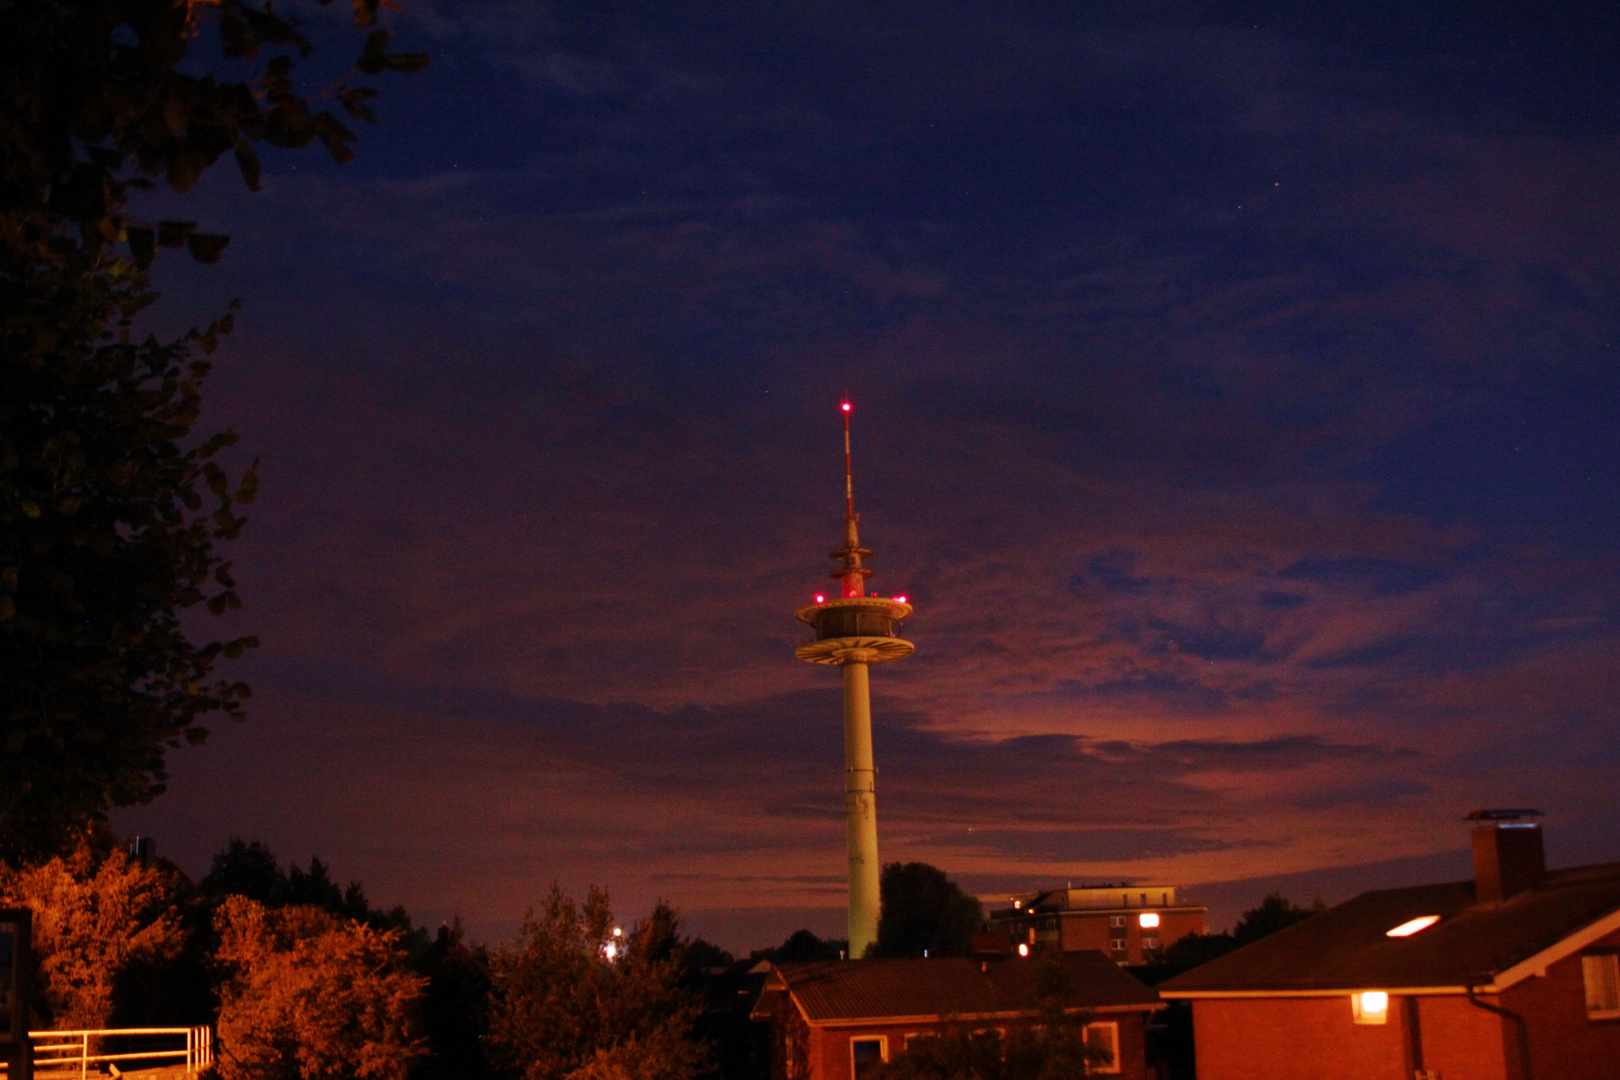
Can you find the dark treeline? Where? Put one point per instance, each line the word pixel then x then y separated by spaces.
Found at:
pixel 269 953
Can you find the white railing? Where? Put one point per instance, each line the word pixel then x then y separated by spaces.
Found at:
pixel 59 1055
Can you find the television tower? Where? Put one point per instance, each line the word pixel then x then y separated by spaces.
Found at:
pixel 854 631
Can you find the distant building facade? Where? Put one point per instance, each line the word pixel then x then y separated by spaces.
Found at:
pixel 1514 975
pixel 833 1020
pixel 1123 922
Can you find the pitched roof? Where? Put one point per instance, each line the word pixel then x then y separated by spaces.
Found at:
pixel 1347 947
pixel 956 986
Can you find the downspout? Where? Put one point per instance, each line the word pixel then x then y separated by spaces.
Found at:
pixel 1518 1021
pixel 1414 1035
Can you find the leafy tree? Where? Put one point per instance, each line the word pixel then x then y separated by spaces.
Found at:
pixel 246 868
pixel 111 506
pixel 250 869
pixel 571 999
pixel 97 915
pixel 308 994
pixel 1052 1045
pixel 924 911
pixel 455 1010
pixel 803 946
pixel 1276 912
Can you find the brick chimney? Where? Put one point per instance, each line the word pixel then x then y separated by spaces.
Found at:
pixel 1508 856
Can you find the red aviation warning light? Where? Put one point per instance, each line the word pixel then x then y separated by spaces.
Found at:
pixel 821 598
pixel 845 406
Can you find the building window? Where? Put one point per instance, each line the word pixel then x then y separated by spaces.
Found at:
pixel 1116 920
pixel 1370 1007
pixel 1602 976
pixel 1150 941
pixel 1117 944
pixel 1104 1040
pixel 864 1054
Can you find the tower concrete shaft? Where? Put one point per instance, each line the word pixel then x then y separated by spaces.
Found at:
pixel 856 631
pixel 860 806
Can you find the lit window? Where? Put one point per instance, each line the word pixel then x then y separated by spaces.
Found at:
pixel 1602 976
pixel 866 1054
pixel 1412 926
pixel 1370 1007
pixel 1148 920
pixel 1103 1041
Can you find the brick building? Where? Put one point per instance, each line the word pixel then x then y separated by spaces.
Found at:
pixel 1514 975
pixel 1120 921
pixel 830 1020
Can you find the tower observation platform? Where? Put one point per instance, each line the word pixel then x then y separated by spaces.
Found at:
pixel 853 631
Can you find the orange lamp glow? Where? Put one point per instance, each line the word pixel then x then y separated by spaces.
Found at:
pixel 1023 950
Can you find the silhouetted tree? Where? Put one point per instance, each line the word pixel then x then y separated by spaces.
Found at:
pixel 455 1008
pixel 111 506
pixel 250 869
pixel 246 868
pixel 1276 912
pixel 802 947
pixel 924 912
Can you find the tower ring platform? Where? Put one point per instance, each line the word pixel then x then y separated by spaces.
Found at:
pixel 849 623
pixel 833 650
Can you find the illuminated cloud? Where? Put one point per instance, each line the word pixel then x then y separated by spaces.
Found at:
pixel 1235 406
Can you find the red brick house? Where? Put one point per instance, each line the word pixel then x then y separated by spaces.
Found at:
pixel 830 1020
pixel 1514 975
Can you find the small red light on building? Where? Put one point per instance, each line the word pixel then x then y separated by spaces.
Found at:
pixel 846 406
pixel 901 599
pixel 820 599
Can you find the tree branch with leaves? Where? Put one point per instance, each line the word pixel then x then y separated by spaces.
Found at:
pixel 112 506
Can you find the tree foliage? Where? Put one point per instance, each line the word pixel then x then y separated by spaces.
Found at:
pixel 97 914
pixel 98 98
pixel 572 1001
pixel 248 868
pixel 111 506
pixel 924 911
pixel 1052 1045
pixel 1275 912
pixel 309 994
pixel 803 946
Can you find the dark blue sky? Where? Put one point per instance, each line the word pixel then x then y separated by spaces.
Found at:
pixel 1235 394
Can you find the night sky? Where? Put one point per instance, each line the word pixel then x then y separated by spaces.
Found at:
pixel 1235 397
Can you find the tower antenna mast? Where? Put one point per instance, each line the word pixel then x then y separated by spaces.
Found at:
pixel 855 631
pixel 849 473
